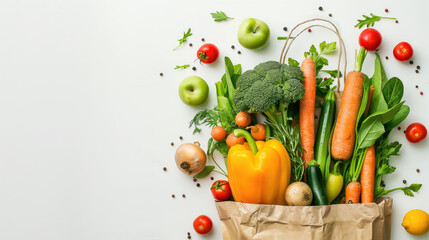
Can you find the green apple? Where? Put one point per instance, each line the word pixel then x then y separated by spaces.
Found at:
pixel 193 90
pixel 253 33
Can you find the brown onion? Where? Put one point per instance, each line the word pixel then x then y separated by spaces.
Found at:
pixel 190 158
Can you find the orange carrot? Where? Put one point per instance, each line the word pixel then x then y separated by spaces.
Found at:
pixel 353 191
pixel 306 109
pixel 258 131
pixel 344 133
pixel 243 119
pixel 367 176
pixel 368 104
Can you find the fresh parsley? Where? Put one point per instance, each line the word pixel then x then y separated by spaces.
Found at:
pixel 220 16
pixel 184 38
pixel 182 66
pixel 324 48
pixel 370 21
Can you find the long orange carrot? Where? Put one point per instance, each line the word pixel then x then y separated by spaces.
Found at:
pixel 353 191
pixel 367 176
pixel 344 133
pixel 306 109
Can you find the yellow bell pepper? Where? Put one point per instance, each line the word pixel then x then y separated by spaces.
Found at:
pixel 258 172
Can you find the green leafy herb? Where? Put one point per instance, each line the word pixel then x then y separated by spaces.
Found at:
pixel 324 48
pixel 393 91
pixel 378 80
pixel 370 21
pixel 333 73
pixel 284 38
pixel 220 16
pixel 293 62
pixel 206 171
pixel 182 66
pixel 184 38
pixel 398 118
pixel 208 117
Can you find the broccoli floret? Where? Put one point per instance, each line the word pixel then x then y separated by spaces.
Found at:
pixel 264 67
pixel 247 79
pixel 275 76
pixel 292 72
pixel 258 98
pixel 293 90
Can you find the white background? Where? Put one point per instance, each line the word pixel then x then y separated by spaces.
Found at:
pixel 86 121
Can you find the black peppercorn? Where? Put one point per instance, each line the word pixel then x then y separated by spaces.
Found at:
pixel 172 143
pixel 404 181
pixel 198 185
pixel 161 74
pixel 173 196
pixel 285 29
pixel 320 8
pixel 418 67
pixel 411 62
pixel 190 44
pixel 417 71
pixel 194 68
pixel 330 15
pixel 181 138
pixel 232 46
pixel 202 39
pixel 417 170
pixel 164 168
pixel 239 52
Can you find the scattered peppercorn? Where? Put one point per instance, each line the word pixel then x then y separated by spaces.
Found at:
pixel 164 168
pixel 421 93
pixel 417 71
pixel 194 179
pixel 309 30
pixel 404 181
pixel 417 170
pixel 181 138
pixel 417 86
pixel 399 128
pixel 189 233
pixel 189 237
pixel 325 79
pixel 330 15
pixel 183 195
pixel 411 62
pixel 198 185
pixel 161 74
pixel 239 52
pixel 386 10
pixel 285 29
pixel 320 9
pixel 202 39
pixel 173 196
pixel 190 44
pixel 387 58
pixel 211 178
pixel 194 68
pixel 418 67
pixel 172 143
pixel 396 21
pixel 232 46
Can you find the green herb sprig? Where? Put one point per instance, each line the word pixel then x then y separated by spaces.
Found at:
pixel 184 38
pixel 220 16
pixel 370 21
pixel 182 66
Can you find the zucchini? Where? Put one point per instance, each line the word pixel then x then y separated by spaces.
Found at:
pixel 321 146
pixel 317 184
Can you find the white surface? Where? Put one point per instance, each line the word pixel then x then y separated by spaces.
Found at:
pixel 86 120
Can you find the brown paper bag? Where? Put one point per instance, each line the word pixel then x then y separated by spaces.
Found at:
pixel 241 221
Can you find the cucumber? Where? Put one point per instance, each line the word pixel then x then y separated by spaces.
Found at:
pixel 321 146
pixel 317 184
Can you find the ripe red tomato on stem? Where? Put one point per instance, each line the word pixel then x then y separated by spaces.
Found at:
pixel 221 190
pixel 203 224
pixel 208 53
pixel 370 39
pixel 403 51
pixel 416 132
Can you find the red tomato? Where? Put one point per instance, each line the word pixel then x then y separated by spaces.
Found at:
pixel 203 224
pixel 416 132
pixel 403 51
pixel 221 190
pixel 370 39
pixel 218 133
pixel 208 53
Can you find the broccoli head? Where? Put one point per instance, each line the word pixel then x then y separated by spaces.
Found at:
pixel 258 98
pixel 275 76
pixel 247 79
pixel 264 67
pixel 292 72
pixel 293 90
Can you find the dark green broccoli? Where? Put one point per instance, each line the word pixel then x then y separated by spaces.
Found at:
pixel 264 67
pixel 292 72
pixel 261 97
pixel 293 90
pixel 247 79
pixel 275 76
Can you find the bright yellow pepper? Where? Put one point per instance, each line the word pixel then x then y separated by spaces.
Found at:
pixel 258 172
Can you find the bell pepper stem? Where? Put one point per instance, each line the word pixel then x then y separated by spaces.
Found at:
pixel 243 133
pixel 335 169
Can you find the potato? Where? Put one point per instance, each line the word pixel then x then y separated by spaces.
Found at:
pixel 298 194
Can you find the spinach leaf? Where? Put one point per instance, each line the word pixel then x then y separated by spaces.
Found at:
pixel 378 80
pixel 206 171
pixel 370 130
pixel 398 118
pixel 393 91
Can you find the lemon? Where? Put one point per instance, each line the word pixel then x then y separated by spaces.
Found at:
pixel 416 222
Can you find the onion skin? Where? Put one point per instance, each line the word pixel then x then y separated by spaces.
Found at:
pixel 298 194
pixel 190 158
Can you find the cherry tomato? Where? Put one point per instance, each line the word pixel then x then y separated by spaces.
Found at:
pixel 370 39
pixel 243 119
pixel 416 132
pixel 203 224
pixel 218 133
pixel 221 190
pixel 208 53
pixel 403 51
